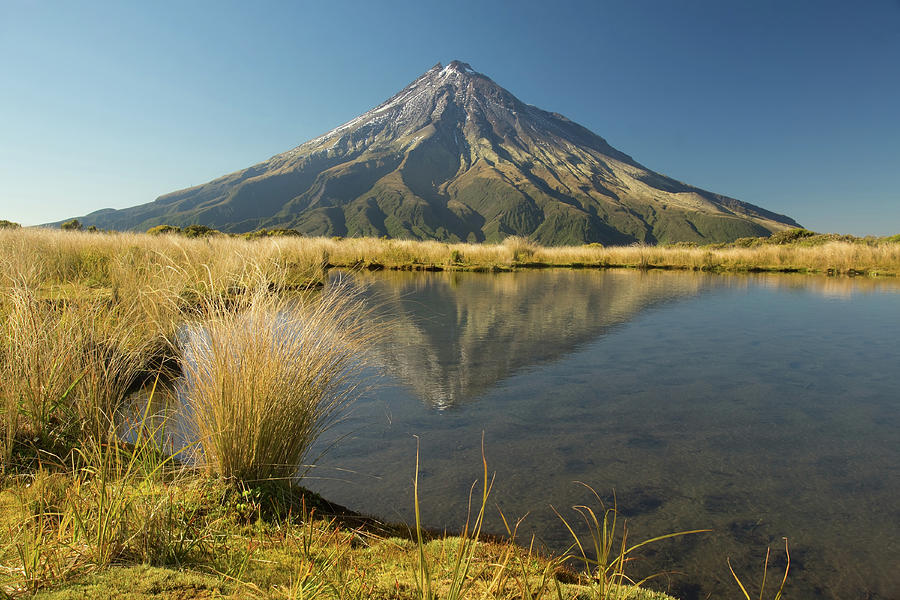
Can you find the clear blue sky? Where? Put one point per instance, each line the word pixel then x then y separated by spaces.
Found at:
pixel 794 106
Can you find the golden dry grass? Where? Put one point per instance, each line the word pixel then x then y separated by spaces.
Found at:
pixel 264 377
pixel 832 257
pixel 66 366
pixel 158 268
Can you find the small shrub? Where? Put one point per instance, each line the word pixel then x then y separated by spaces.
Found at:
pixel 194 231
pixel 285 233
pixel 4 224
pixel 254 235
pixel 748 242
pixel 72 225
pixel 163 229
pixel 790 235
pixel 267 233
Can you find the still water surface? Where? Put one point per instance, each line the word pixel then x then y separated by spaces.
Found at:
pixel 761 407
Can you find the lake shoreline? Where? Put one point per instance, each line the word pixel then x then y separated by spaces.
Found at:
pixel 77 302
pixel 283 541
pixel 513 267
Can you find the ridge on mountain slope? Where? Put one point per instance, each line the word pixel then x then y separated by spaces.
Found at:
pixel 453 156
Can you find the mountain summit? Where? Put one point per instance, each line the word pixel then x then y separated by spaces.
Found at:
pixel 454 156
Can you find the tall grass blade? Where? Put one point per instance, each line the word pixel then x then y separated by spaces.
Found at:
pixel 762 586
pixel 423 575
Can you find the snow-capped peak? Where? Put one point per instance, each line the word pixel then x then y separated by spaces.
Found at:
pixel 461 67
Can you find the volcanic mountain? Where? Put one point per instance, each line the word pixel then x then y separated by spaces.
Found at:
pixel 454 156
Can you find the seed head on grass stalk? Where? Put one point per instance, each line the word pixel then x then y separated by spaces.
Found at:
pixel 265 376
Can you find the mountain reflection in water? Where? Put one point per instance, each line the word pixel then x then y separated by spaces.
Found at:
pixel 759 406
pixel 453 336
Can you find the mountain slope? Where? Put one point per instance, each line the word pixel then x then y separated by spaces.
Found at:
pixel 453 156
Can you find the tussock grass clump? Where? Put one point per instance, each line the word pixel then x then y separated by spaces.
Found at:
pixel 115 346
pixel 66 367
pixel 265 377
pixel 521 248
pixel 40 345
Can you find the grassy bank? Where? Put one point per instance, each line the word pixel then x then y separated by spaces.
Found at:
pixel 162 264
pixel 833 257
pixel 183 536
pixel 264 361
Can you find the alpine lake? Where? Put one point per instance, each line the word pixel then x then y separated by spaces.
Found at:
pixel 758 406
pixel 761 407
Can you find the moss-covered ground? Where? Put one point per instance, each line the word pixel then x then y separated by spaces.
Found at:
pixel 191 537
